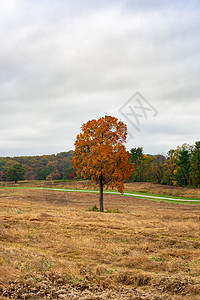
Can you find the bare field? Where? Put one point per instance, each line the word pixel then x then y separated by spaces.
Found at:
pixel 52 248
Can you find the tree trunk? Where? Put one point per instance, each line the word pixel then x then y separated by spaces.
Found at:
pixel 101 193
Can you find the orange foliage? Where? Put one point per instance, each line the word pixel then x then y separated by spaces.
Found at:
pixel 100 153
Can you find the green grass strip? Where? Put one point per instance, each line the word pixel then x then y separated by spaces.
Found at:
pixel 148 196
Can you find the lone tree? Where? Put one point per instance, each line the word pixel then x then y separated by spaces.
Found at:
pixel 15 172
pixel 101 155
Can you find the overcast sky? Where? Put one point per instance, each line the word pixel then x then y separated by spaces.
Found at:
pixel 64 62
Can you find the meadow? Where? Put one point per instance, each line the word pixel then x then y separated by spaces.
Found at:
pixel 54 246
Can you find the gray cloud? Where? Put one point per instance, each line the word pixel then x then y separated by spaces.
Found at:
pixel 63 63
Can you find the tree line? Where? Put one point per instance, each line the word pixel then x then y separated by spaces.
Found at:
pixel 181 166
pixel 43 167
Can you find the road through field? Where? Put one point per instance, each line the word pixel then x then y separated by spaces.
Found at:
pixel 130 194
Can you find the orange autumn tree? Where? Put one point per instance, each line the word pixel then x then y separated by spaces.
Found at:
pixel 100 154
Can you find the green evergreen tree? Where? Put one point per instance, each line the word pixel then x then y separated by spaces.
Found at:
pixel 136 157
pixel 195 165
pixel 183 163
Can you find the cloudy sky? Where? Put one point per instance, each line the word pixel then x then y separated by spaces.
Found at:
pixel 64 62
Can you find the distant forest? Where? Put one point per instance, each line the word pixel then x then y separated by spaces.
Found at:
pixel 180 167
pixel 43 167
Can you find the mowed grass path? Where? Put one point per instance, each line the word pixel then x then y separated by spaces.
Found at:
pixel 149 196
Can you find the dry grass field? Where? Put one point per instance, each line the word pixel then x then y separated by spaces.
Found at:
pixel 52 247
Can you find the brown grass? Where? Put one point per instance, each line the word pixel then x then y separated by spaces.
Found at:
pixel 152 249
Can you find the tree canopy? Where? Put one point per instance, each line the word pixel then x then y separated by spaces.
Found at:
pixel 101 155
pixel 15 173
